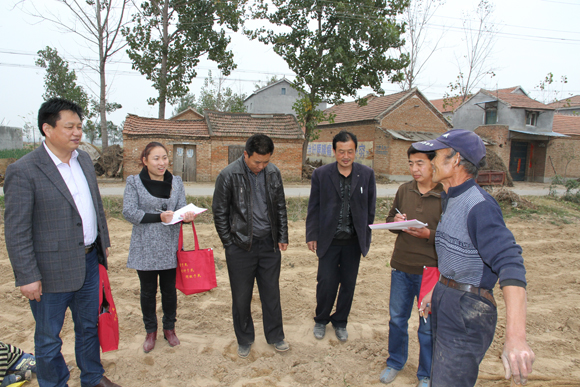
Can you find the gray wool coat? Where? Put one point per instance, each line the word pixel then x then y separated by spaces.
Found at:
pixel 153 245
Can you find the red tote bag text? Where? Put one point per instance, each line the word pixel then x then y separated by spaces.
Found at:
pixel 195 268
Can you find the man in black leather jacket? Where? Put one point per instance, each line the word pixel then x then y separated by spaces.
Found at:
pixel 250 217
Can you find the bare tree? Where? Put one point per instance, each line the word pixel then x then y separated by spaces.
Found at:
pixel 99 23
pixel 548 89
pixel 480 35
pixel 419 45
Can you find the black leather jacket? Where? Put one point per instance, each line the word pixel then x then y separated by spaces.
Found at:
pixel 232 205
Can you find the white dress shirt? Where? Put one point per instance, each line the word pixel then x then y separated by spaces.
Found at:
pixel 77 184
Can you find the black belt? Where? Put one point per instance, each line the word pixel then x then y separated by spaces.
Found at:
pixel 468 288
pixel 90 248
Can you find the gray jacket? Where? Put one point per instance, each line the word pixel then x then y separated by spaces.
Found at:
pixel 43 228
pixel 153 245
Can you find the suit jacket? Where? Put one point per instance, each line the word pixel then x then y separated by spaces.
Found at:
pixel 325 202
pixel 43 229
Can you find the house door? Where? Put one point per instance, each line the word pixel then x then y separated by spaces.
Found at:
pixel 518 156
pixel 234 152
pixel 184 162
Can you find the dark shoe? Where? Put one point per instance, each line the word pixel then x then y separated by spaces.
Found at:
pixel 341 333
pixel 244 350
pixel 319 331
pixel 388 375
pixel 169 335
pixel 281 346
pixel 16 377
pixel 149 343
pixel 106 383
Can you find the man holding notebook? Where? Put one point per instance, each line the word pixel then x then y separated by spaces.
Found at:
pixel 414 249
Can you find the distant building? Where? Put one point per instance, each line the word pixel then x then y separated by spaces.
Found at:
pixel 10 137
pixel 277 97
pixel 385 128
pixel 522 131
pixel 567 106
pixel 201 146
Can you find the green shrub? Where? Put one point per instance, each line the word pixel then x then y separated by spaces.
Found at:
pixel 14 153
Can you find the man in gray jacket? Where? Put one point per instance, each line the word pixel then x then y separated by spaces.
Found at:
pixel 249 211
pixel 55 226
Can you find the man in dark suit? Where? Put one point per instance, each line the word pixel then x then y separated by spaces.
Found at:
pixel 54 226
pixel 341 207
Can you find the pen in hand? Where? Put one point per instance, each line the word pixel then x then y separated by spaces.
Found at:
pixel 404 217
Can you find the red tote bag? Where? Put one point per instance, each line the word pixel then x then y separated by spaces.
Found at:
pixel 108 328
pixel 195 268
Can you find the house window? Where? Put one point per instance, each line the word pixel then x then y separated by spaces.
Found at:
pixel 491 113
pixel 283 92
pixel 531 118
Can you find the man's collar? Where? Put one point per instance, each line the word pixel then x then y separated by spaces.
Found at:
pixel 461 188
pixel 55 159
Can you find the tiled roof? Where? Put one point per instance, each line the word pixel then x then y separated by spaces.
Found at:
pixel 187 112
pixel 446 105
pixel 566 102
pixel 511 97
pixel 564 124
pixel 245 124
pixel 352 112
pixel 154 126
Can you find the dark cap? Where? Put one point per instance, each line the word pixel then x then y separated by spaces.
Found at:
pixel 466 142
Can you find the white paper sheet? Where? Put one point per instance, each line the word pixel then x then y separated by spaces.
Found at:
pixel 190 207
pixel 398 225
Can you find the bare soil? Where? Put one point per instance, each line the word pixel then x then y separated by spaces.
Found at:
pixel 207 354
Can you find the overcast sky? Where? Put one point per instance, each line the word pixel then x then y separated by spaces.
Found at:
pixel 536 37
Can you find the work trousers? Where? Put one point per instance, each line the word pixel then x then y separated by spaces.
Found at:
pixel 49 312
pixel 148 281
pixel 463 326
pixel 338 267
pixel 262 264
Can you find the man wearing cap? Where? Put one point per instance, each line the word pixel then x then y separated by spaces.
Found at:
pixel 475 248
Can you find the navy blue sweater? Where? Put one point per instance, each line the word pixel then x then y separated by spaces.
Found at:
pixel 472 241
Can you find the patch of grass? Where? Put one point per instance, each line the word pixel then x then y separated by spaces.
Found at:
pixel 297 208
pixel 550 208
pixel 382 210
pixel 202 202
pixel 14 153
pixel 113 206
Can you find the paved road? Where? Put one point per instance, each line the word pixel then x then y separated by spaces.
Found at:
pixel 292 190
pixel 297 190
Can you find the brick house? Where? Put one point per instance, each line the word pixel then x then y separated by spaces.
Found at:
pixel 521 131
pixel 567 106
pixel 229 132
pixel 187 142
pixel 385 128
pixel 201 146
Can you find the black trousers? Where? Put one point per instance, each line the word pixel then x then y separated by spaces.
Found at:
pixel 261 263
pixel 148 281
pixel 339 266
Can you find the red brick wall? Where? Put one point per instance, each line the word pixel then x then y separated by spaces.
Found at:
pixel 134 145
pixel 287 156
pixel 561 151
pixel 390 155
pixel 415 119
pixel 499 134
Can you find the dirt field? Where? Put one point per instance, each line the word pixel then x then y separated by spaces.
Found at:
pixel 207 354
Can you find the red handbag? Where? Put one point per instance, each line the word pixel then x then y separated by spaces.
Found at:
pixel 428 282
pixel 195 268
pixel 108 327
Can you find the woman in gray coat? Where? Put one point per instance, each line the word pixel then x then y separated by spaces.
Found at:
pixel 150 198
